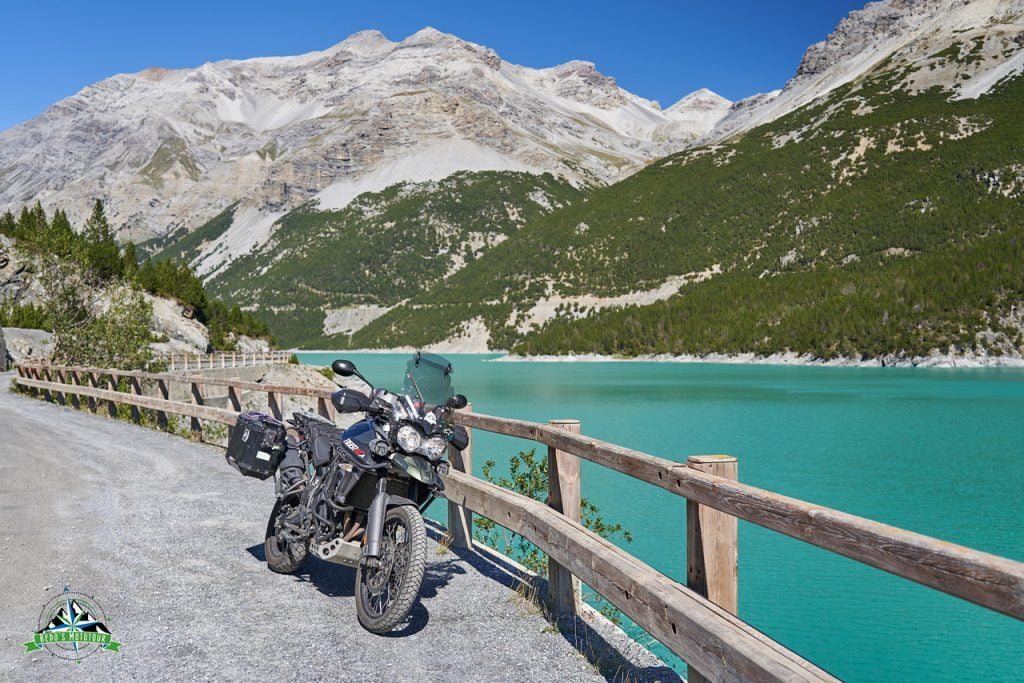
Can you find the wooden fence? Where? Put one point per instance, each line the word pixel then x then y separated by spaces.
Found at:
pixel 222 359
pixel 698 620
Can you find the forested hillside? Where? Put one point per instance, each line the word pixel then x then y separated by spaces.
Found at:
pixel 383 248
pixel 881 219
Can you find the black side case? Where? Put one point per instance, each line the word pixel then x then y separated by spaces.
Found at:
pixel 256 445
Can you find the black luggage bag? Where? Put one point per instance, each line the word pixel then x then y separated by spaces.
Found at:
pixel 256 445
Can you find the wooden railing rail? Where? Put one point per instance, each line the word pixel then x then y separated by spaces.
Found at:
pixel 719 644
pixel 201 412
pixel 699 622
pixel 314 392
pixel 988 580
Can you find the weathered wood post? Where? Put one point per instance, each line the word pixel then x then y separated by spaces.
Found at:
pixel 111 405
pixel 76 400
pixel 33 373
pixel 712 545
pixel 274 404
pixel 165 394
pixel 324 408
pixel 135 387
pixel 563 496
pixel 233 398
pixel 94 381
pixel 61 397
pixel 197 399
pixel 460 520
pixel 43 375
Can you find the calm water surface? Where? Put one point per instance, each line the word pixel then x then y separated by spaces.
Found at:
pixel 940 452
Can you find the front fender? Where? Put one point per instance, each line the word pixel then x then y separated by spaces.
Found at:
pixel 395 501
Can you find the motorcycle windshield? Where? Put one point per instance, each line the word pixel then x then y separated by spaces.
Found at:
pixel 428 379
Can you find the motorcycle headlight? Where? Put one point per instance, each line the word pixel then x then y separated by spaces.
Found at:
pixel 409 438
pixel 434 447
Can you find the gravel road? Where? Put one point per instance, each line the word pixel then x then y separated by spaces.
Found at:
pixel 168 538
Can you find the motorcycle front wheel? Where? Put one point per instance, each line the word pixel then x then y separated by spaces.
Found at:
pixel 385 593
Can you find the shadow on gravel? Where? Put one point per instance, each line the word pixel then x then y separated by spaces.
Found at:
pixel 593 645
pixel 336 581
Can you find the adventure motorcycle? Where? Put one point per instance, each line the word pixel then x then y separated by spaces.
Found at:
pixel 356 497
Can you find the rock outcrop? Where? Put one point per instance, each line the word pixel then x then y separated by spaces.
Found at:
pixel 23 344
pixel 172 148
pixel 985 37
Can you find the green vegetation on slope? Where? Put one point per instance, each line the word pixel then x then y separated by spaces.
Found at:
pixel 95 255
pixel 872 222
pixel 382 248
pixel 186 246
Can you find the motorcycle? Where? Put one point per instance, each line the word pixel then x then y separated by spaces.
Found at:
pixel 356 496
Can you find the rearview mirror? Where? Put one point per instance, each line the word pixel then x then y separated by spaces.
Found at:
pixel 345 368
pixel 458 402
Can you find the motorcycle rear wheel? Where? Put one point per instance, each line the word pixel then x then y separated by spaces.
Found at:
pixel 282 557
pixel 385 594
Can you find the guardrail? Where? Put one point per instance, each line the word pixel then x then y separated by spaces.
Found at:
pixel 222 359
pixel 697 621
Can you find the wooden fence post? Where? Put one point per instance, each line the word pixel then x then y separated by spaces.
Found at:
pixel 197 399
pixel 274 404
pixel 35 374
pixel 564 497
pixel 76 401
pixel 236 402
pixel 460 520
pixel 711 545
pixel 61 396
pixel 111 406
pixel 94 381
pixel 324 408
pixel 165 394
pixel 135 387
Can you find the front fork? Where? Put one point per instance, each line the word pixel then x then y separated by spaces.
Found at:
pixel 375 520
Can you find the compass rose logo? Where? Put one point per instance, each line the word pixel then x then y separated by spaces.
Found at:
pixel 71 626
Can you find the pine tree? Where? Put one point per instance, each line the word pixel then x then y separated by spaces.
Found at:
pixel 130 261
pixel 8 226
pixel 61 238
pixel 101 252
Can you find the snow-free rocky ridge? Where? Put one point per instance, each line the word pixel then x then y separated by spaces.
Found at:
pixel 169 149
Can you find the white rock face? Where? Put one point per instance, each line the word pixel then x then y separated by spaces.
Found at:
pixel 909 33
pixel 23 344
pixel 348 320
pixel 183 334
pixel 167 148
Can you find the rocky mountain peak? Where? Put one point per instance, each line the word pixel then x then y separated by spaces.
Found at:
pixel 861 29
pixel 368 42
pixel 167 149
pixel 904 34
pixel 699 100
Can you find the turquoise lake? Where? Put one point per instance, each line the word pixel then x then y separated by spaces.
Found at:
pixel 939 452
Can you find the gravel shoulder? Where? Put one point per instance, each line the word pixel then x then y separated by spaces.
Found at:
pixel 168 538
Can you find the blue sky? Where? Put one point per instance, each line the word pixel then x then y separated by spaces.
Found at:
pixel 659 50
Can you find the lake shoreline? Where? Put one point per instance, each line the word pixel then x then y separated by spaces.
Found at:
pixel 944 361
pixel 937 361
